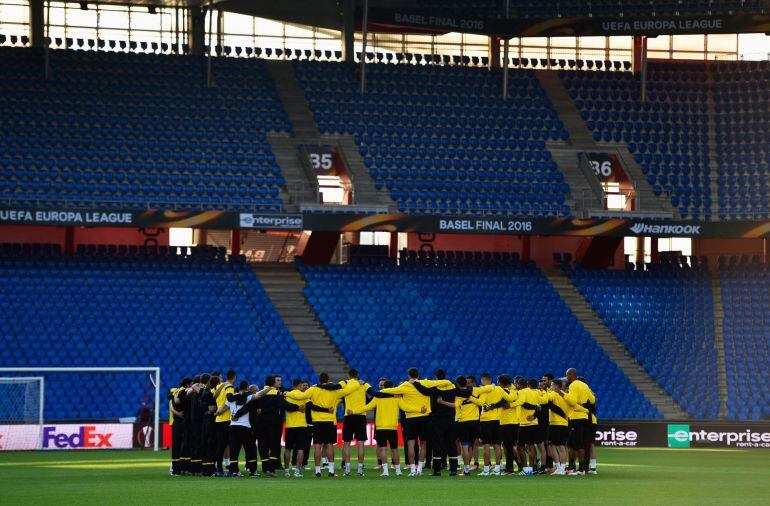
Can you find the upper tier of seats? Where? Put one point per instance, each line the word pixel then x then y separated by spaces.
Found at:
pixel 668 134
pixel 495 314
pixel 664 316
pixel 546 9
pixel 742 133
pixel 137 131
pixel 441 139
pixel 128 307
pixel 746 302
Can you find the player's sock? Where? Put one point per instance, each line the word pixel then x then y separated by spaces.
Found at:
pixel 486 469
pixel 347 467
pixel 419 467
pixel 287 471
pixel 412 468
pixel 497 468
pixel 331 467
pixel 227 463
pixel 592 464
pixel 361 468
pixel 317 469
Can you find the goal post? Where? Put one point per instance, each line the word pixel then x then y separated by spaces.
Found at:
pixel 29 375
pixel 21 401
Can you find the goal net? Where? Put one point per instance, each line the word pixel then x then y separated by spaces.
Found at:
pixel 21 411
pixel 69 408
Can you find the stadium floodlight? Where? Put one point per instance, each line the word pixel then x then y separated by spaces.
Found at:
pixel 23 401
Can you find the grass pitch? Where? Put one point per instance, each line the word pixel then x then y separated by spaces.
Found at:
pixel 626 476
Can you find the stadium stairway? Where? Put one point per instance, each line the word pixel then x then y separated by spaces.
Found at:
pixel 300 186
pixel 305 132
pixel 713 142
pixel 365 193
pixel 284 285
pixel 719 342
pixel 293 98
pixel 612 345
pixel 581 139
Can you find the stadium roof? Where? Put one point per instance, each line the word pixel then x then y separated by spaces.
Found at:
pixel 690 17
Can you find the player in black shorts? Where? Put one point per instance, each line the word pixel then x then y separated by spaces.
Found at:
pixel 558 430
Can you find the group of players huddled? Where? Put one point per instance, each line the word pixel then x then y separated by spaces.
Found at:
pixel 545 426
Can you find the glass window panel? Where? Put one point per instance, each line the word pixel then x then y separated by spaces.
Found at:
pixel 268 27
pixel 661 42
pixel 727 43
pixel 592 42
pixel 238 24
pixel 689 42
pixel 621 42
pixel 110 17
pixel 14 12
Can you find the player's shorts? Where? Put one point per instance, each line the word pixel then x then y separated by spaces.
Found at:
pixel 490 432
pixel 416 428
pixel 579 432
pixel 386 437
pixel 592 434
pixel 324 433
pixel 529 434
pixel 296 438
pixel 467 432
pixel 558 435
pixel 542 433
pixel 509 433
pixel 354 427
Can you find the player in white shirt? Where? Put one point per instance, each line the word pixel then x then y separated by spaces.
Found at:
pixel 240 428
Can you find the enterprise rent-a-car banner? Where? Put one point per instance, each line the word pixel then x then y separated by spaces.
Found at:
pixel 685 434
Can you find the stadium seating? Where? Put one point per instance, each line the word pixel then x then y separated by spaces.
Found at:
pixel 127 307
pixel 742 133
pixel 667 134
pixel 441 139
pixel 746 298
pixel 664 316
pixel 464 312
pixel 125 130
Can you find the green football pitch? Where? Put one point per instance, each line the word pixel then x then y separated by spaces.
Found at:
pixel 626 476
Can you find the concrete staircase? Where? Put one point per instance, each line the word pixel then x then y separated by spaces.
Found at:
pixel 284 285
pixel 299 185
pixel 612 345
pixel 719 342
pixel 364 191
pixel 581 139
pixel 293 98
pixel 712 135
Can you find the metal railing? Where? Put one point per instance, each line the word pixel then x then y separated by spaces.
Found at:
pixel 302 192
pixel 596 191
